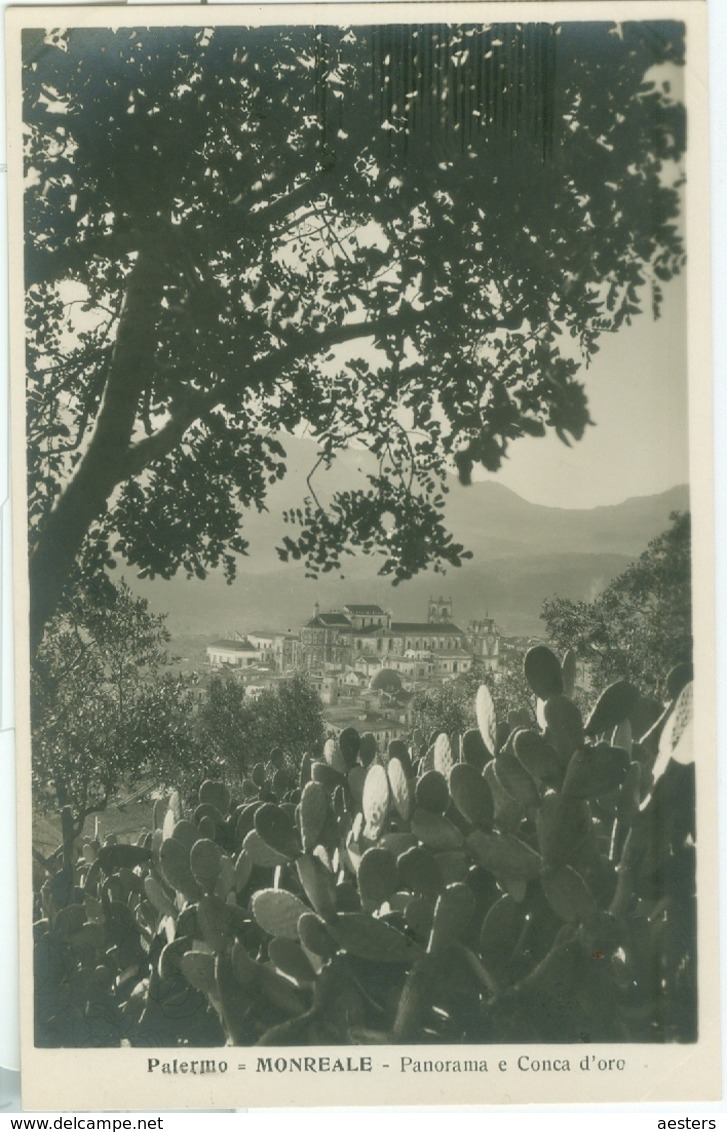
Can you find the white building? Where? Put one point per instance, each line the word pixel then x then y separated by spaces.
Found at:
pixel 452 662
pixel 232 653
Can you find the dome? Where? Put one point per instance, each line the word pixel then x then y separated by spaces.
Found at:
pixel 385 680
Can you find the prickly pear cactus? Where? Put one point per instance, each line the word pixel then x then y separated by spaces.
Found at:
pixel 450 892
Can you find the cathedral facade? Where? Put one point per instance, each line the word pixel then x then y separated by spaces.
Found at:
pixel 340 637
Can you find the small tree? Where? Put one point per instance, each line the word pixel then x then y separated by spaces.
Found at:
pixel 223 718
pixel 641 625
pixel 104 711
pixel 447 708
pixel 239 731
pixel 450 707
pixel 289 716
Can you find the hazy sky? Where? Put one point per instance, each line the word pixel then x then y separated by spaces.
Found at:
pixel 637 389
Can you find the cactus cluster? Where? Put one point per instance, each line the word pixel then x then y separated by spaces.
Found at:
pixel 529 880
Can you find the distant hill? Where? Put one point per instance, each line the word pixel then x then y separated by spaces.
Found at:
pixel 522 553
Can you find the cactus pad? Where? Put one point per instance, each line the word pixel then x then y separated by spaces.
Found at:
pixel 113 857
pixel 443 757
pixel 471 795
pixel 419 916
pixel 215 794
pixel 349 743
pixel 516 780
pixel 186 833
pixel 290 960
pixel 677 738
pixel 318 884
pixel 198 968
pixel 158 897
pixel 377 876
pixel 486 718
pixel 277 829
pixel 432 792
pixel 538 757
pixel 474 749
pixel 568 894
pixel 564 726
pixel 543 672
pixel 260 852
pixel 225 883
pixel 501 930
pixel 218 921
pixel 159 812
pixel 435 831
pixel 613 705
pixel 371 939
pixel 174 861
pixel 565 830
pixel 595 770
pixel 332 755
pixel 509 813
pixel 419 872
pixel 277 911
pixel 169 960
pixel 375 801
pixel 677 678
pixel 367 748
pixel 243 871
pixel 314 810
pixel 245 969
pixel 69 920
pixel 328 777
pixel 453 916
pixel 401 790
pixel 399 750
pixel 503 855
pixel 315 937
pixel 205 860
pixel 356 778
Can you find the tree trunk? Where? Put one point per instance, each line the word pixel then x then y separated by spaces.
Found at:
pixel 103 465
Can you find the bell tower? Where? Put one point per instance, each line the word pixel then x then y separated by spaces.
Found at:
pixel 440 609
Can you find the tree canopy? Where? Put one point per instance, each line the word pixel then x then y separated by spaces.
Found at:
pixel 451 706
pixel 640 627
pixel 107 710
pixel 404 237
pixel 236 731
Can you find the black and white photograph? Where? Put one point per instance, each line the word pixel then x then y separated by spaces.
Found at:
pixel 363 549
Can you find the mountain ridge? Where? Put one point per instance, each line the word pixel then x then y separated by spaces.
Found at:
pixel 522 553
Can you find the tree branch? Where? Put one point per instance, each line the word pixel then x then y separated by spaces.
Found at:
pixel 44 265
pixel 298 345
pixel 50 265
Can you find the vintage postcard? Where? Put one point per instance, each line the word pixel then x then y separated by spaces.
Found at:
pixel 364 554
